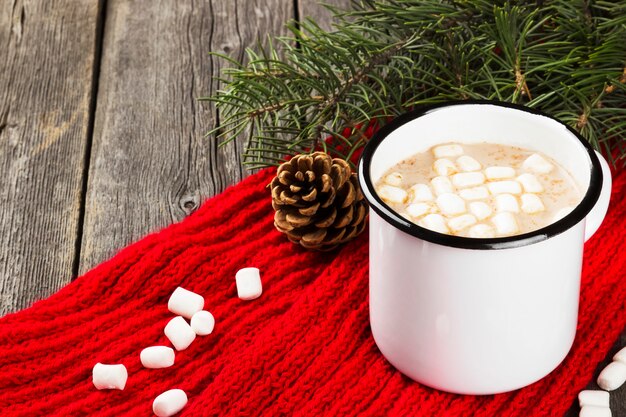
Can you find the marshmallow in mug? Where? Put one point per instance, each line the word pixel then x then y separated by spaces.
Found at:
pixel 479 190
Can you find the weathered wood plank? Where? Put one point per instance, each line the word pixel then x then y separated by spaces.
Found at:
pixel 321 14
pixel 150 164
pixel 46 66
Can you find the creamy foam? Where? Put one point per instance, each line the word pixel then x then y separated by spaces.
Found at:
pixel 490 179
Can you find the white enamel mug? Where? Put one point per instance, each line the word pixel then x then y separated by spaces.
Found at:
pixel 478 316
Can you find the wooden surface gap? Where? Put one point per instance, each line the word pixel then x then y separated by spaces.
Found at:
pixel 95 78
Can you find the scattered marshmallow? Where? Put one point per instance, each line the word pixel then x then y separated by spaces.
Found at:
pixel 109 376
pixel 505 224
pixel 562 213
pixel 613 376
pixel 442 185
pixel 504 187
pixel 203 323
pixel 499 173
pixel 468 164
pixel 157 357
pixel 468 179
pixel 169 403
pixel 451 204
pixel 420 192
pixel 507 202
pixel 448 151
pixel 434 222
pixel 620 356
pixel 594 398
pixel 456 224
pixel 530 183
pixel 593 411
pixel 445 167
pixel 395 179
pixel 418 210
pixel 249 284
pixel 480 210
pixel 392 194
pixel 185 303
pixel 476 193
pixel 538 164
pixel 179 333
pixel 481 231
pixel 531 203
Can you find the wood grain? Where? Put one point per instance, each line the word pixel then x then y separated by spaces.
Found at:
pixel 46 65
pixel 315 10
pixel 150 164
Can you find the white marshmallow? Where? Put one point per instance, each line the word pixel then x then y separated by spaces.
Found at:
pixel 595 398
pixel 157 357
pixel 531 203
pixel 504 187
pixel 476 193
pixel 480 210
pixel 620 356
pixel 445 167
pixel 481 230
pixel 418 210
pixel 179 333
pixel 442 185
pixel 456 224
pixel 185 303
pixel 447 151
pixel 169 403
pixel 562 213
pixel 530 183
pixel 451 204
pixel 419 193
pixel 203 323
pixel 507 202
pixel 395 179
pixel 593 411
pixel 499 173
pixel 249 284
pixel 538 164
pixel 467 163
pixel 391 194
pixel 109 376
pixel 434 222
pixel 613 376
pixel 505 223
pixel 468 179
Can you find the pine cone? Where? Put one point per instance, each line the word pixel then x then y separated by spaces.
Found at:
pixel 318 201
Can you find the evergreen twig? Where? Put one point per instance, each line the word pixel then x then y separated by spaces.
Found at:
pixel 565 57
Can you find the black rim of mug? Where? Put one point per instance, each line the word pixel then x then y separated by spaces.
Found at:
pixel 392 217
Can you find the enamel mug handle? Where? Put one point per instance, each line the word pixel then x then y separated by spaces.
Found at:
pixel 597 213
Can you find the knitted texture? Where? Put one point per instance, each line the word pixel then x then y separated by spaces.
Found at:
pixel 303 349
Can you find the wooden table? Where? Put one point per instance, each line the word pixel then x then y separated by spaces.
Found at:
pixel 101 135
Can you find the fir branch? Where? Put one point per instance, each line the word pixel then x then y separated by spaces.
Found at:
pixel 384 57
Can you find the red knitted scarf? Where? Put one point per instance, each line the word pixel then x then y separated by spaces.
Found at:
pixel 303 349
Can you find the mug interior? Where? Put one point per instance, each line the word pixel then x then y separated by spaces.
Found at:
pixel 470 122
pixel 484 123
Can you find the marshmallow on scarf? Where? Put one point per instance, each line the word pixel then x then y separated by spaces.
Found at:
pixel 185 303
pixel 169 403
pixel 249 284
pixel 109 376
pixel 203 323
pixel 179 333
pixel 157 357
